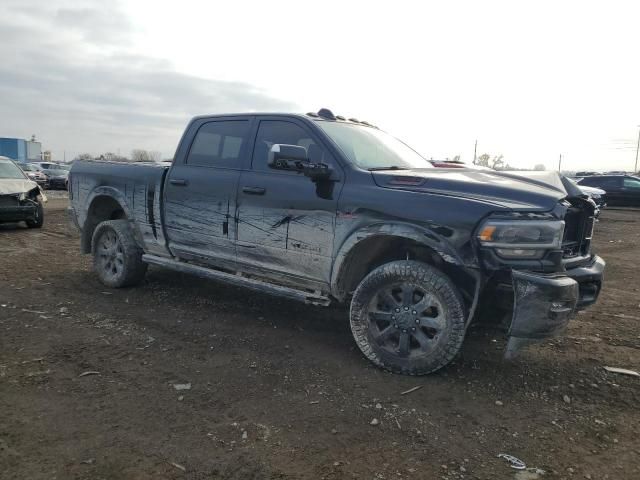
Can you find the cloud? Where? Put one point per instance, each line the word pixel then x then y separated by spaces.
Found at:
pixel 69 75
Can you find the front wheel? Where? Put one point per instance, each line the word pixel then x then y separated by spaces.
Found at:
pixel 117 258
pixel 38 218
pixel 408 317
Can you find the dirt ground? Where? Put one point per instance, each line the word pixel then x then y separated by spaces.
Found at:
pixel 279 390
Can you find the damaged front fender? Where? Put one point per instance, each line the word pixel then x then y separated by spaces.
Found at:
pixel 543 306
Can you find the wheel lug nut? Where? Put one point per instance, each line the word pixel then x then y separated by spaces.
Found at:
pixel 404 331
pixel 406 308
pixel 393 317
pixel 417 321
pixel 414 329
pixel 397 310
pixel 395 325
pixel 414 312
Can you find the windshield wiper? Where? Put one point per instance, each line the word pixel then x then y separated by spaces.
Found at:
pixel 391 167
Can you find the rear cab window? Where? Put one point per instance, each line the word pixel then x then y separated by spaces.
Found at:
pixel 219 143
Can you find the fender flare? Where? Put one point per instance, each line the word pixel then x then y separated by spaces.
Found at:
pixel 115 194
pixel 420 235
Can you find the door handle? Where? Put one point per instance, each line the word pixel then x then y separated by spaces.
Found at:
pixel 254 190
pixel 180 182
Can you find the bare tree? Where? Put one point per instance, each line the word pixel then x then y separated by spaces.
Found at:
pixel 83 156
pixel 497 162
pixel 482 160
pixel 485 160
pixel 112 157
pixel 141 155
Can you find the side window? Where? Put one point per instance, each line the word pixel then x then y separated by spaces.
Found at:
pixel 601 182
pixel 610 182
pixel 631 183
pixel 219 144
pixel 278 131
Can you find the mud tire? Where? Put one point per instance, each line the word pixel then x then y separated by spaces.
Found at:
pixel 434 283
pixel 117 258
pixel 38 221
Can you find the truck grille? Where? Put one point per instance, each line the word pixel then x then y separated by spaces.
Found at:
pixel 578 231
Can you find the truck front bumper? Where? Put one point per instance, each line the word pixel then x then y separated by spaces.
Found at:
pixel 544 303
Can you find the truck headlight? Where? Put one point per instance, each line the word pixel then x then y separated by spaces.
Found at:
pixel 524 239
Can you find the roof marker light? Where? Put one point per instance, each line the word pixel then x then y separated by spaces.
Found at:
pixel 326 113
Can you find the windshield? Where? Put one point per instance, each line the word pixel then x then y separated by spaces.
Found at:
pixel 10 170
pixel 28 168
pixel 371 148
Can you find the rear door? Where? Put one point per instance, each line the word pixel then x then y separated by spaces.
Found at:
pixel 285 227
pixel 200 192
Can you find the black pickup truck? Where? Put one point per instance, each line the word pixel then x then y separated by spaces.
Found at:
pixel 323 209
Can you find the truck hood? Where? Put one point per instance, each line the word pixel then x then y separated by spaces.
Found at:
pixel 12 186
pixel 538 192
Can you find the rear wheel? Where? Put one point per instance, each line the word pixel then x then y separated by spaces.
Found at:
pixel 117 259
pixel 38 218
pixel 408 317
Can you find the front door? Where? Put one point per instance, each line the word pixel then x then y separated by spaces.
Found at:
pixel 631 191
pixel 200 194
pixel 284 224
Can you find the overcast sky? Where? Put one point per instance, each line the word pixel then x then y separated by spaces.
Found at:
pixel 528 80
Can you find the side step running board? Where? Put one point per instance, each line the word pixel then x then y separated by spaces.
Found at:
pixel 238 280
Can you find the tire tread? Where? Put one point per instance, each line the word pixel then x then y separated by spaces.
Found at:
pixel 417 272
pixel 134 268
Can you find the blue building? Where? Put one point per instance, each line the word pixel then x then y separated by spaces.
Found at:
pixel 20 150
pixel 13 148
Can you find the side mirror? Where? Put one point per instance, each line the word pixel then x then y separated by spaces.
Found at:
pixel 295 158
pixel 288 157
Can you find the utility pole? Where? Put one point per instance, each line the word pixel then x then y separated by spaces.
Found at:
pixel 475 149
pixel 635 169
pixel 560 163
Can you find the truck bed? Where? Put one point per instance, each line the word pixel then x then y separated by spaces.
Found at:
pixel 137 186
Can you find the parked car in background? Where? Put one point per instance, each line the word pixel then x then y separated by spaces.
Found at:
pixel 20 198
pixel 596 194
pixel 57 177
pixel 586 174
pixel 42 165
pixel 620 189
pixel 34 174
